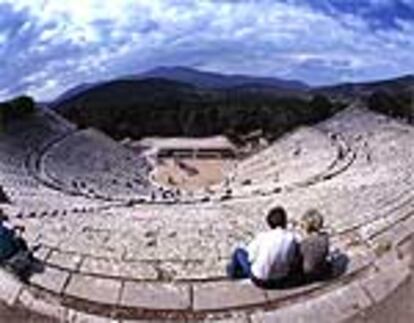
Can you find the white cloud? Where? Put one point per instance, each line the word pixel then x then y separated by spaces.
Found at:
pixel 78 41
pixel 3 38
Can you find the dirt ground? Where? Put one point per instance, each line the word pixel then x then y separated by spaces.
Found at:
pixel 192 174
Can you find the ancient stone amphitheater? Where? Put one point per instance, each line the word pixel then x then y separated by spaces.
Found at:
pixel 116 248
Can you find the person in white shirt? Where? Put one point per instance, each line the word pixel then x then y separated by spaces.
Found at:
pixel 272 255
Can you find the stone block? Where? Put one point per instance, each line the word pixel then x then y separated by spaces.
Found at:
pixel 52 279
pixel 42 253
pixel 73 316
pixel 153 321
pixel 336 306
pixel 382 283
pixel 226 295
pixel 94 289
pixel 234 317
pixel 69 261
pixel 406 230
pixel 10 288
pixel 195 271
pixel 282 294
pixel 51 309
pixel 405 249
pixel 118 268
pixel 162 296
pixel 373 228
pixel 359 259
pixel 397 233
pixel 391 258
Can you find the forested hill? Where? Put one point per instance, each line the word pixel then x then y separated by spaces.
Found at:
pixel 139 108
pixel 394 97
pixel 398 85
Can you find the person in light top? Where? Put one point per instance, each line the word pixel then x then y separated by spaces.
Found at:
pixel 271 257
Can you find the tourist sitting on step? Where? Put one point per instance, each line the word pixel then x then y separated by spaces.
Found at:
pixel 314 247
pixel 3 197
pixel 272 257
pixel 15 254
pixel 10 240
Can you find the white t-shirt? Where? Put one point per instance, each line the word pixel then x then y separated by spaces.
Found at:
pixel 271 254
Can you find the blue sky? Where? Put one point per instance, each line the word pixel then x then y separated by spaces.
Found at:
pixel 48 46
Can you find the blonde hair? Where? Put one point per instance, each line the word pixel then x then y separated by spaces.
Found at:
pixel 312 221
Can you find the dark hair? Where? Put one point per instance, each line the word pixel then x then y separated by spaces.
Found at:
pixel 277 217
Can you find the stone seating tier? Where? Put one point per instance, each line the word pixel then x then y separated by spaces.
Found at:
pixel 112 261
pixel 91 164
pixel 370 278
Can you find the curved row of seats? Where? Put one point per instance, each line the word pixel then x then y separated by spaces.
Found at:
pixel 337 155
pixel 49 167
pixel 91 164
pixel 118 263
pixel 292 155
pixel 22 142
pixel 64 294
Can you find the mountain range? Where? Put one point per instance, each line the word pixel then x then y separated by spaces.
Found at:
pixel 203 80
pixel 199 79
pixel 211 80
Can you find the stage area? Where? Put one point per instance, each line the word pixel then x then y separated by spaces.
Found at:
pixel 191 173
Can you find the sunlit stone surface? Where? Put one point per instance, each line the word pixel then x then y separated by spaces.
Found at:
pixel 69 188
